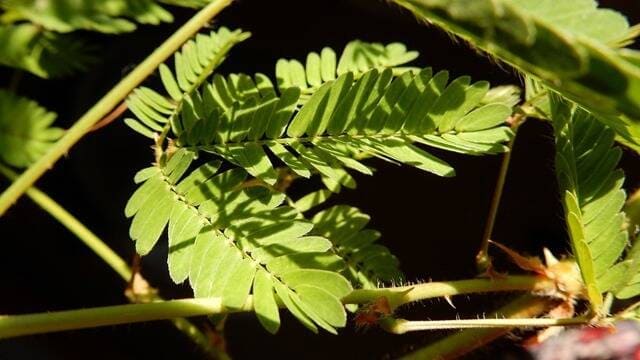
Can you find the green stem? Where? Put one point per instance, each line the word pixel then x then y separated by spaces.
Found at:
pixel 75 226
pixel 399 296
pixel 107 255
pixel 483 260
pixel 11 326
pixel 108 102
pixel 401 326
pixel 17 325
pixel 461 343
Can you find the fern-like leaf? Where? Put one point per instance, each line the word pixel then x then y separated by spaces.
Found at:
pixel 591 188
pixel 586 67
pixel 107 16
pixel 358 57
pixel 195 62
pixel 368 263
pixel 42 53
pixel 240 118
pixel 25 130
pixel 230 242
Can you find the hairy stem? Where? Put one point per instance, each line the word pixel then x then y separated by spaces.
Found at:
pixel 107 255
pixel 17 325
pixel 483 261
pixel 108 102
pixel 464 342
pixel 399 296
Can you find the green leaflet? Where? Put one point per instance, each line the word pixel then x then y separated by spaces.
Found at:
pixel 239 117
pixel 195 62
pixel 312 200
pixel 108 16
pixel 230 241
pixel 358 58
pixel 593 197
pixel 630 283
pixel 368 264
pixel 42 53
pixel 585 66
pixel 25 130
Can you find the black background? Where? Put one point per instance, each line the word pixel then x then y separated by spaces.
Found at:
pixel 432 224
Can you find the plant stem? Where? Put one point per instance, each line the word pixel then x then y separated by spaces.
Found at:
pixel 399 296
pixel 108 256
pixel 11 326
pixel 108 102
pixel 110 117
pixel 464 342
pixel 402 326
pixel 483 261
pixel 16 325
pixel 75 226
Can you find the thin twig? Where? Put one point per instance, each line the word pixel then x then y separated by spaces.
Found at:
pixel 111 117
pixel 483 261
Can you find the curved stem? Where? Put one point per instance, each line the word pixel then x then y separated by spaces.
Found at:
pixel 17 325
pixel 108 102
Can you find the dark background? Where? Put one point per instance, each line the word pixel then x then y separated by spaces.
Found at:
pixel 432 224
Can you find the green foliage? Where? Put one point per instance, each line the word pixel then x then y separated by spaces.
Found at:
pixel 25 130
pixel 195 62
pixel 231 241
pixel 108 16
pixel 187 3
pixel 368 264
pixel 43 53
pixel 630 285
pixel 585 66
pixel 358 57
pixel 592 193
pixel 239 118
